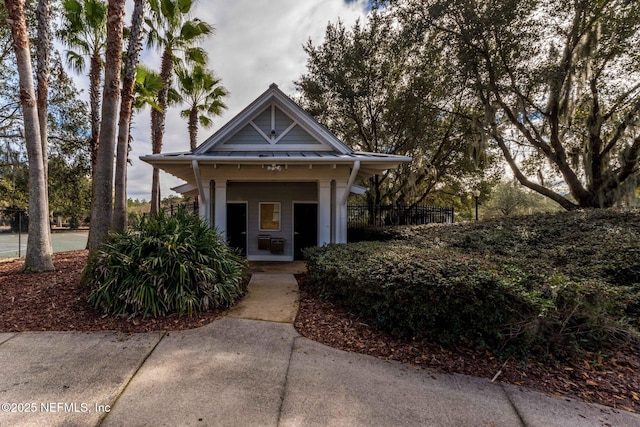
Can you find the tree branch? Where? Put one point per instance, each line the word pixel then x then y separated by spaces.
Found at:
pixel 565 203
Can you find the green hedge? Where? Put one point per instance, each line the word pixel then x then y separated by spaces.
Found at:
pixel 170 265
pixel 413 292
pixel 598 245
pixel 416 290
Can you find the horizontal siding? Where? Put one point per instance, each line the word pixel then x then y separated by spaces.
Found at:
pixel 263 121
pixel 247 135
pixel 282 121
pixel 297 135
pixel 285 193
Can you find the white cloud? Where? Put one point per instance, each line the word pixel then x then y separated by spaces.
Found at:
pixel 256 43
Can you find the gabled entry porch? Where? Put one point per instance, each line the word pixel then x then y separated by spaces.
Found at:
pixel 273 180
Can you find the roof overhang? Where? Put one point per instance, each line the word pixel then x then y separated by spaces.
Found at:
pixel 186 190
pixel 303 143
pixel 180 164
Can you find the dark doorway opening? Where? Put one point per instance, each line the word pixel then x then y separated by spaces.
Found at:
pixel 305 227
pixel 237 226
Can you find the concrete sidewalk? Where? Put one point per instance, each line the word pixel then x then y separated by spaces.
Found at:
pixel 242 372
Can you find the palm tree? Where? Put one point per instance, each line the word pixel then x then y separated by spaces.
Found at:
pixel 171 31
pixel 38 257
pixel 147 85
pixel 126 113
pixel 102 203
pixel 201 91
pixel 85 30
pixel 43 14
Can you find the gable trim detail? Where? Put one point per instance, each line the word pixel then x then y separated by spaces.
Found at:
pixel 273 99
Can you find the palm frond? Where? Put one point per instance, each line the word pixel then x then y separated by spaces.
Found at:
pixel 205 121
pixel 195 29
pixel 196 55
pixel 75 61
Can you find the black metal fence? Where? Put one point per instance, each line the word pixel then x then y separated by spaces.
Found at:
pixel 361 216
pixel 172 209
pixel 18 222
pixel 16 219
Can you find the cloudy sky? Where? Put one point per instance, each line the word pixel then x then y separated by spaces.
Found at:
pixel 256 43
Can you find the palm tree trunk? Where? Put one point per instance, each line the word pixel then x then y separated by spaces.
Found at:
pixel 155 191
pixel 42 60
pixel 155 180
pixel 193 127
pixel 38 257
pixel 101 208
pixel 126 110
pixel 157 124
pixel 95 71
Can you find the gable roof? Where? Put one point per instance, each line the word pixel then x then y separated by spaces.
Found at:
pixel 265 124
pixel 273 129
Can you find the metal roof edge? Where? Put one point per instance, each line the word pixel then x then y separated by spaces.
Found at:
pixel 341 158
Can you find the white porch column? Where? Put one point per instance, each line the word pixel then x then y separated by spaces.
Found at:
pixel 340 213
pixel 324 212
pixel 220 214
pixel 203 193
pixel 204 203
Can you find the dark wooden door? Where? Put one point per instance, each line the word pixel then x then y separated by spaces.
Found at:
pixel 237 226
pixel 305 227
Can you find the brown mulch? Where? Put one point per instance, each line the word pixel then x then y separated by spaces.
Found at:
pixel 55 301
pixel 612 380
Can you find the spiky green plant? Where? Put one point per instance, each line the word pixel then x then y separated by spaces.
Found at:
pixel 170 265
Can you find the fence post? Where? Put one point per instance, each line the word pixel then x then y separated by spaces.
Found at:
pixel 19 234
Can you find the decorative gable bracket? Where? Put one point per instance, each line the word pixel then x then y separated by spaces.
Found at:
pixel 273 137
pixel 273 122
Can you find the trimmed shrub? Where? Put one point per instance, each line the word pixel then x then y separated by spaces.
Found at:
pixel 601 245
pixel 369 234
pixel 443 294
pixel 170 265
pixel 412 292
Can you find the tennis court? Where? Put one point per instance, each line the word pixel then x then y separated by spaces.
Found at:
pixel 64 241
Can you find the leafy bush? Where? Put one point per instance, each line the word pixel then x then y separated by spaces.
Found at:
pixel 554 285
pixel 170 265
pixel 368 234
pixel 408 291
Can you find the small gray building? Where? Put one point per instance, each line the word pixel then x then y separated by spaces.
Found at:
pixel 273 180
